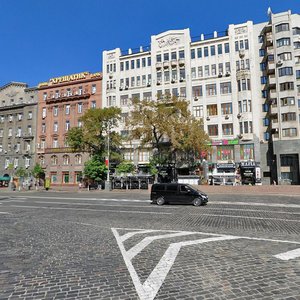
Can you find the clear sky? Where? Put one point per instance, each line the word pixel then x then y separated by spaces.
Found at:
pixel 40 39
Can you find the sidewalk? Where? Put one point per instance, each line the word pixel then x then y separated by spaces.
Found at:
pixel 286 190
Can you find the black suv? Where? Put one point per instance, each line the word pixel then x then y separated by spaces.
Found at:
pixel 162 193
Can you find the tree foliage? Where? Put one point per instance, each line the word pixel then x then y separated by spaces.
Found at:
pixel 125 167
pixel 38 171
pixel 92 136
pixel 168 126
pixel 95 169
pixel 21 172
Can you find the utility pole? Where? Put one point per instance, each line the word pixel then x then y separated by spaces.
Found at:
pixel 107 183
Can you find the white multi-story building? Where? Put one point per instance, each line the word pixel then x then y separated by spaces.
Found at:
pixel 225 77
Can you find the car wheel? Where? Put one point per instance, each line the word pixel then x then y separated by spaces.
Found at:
pixel 197 202
pixel 160 201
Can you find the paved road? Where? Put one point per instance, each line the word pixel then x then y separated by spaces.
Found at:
pixel 119 246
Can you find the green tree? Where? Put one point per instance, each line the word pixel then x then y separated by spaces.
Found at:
pixel 169 127
pixel 38 172
pixel 125 167
pixel 92 136
pixel 95 169
pixel 21 172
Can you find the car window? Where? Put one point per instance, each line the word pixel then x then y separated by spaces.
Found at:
pixel 158 187
pixel 172 187
pixel 184 188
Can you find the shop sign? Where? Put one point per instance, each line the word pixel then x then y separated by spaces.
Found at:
pixel 224 142
pixel 67 78
pixel 248 163
pixel 226 166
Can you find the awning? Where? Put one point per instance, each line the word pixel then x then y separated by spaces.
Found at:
pixel 4 178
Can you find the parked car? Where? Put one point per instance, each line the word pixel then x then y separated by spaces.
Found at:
pixel 162 193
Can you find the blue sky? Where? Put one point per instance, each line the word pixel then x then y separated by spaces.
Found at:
pixel 40 39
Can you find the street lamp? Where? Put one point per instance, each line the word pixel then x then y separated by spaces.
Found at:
pixel 107 182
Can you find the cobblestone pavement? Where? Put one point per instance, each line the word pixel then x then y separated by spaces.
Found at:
pixel 119 246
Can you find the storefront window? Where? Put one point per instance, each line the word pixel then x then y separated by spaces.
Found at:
pixel 225 153
pixel 53 177
pixel 247 152
pixel 78 176
pixel 66 177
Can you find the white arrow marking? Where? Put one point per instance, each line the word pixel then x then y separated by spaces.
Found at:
pixel 149 289
pixel 289 254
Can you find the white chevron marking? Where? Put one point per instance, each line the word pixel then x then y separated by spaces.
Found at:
pixel 151 286
pixel 289 254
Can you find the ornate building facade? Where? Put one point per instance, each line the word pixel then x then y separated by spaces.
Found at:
pixel 61 103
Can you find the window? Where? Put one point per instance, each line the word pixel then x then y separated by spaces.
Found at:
pixel 175 92
pixel 200 71
pixel 288 117
pixel 225 88
pixel 212 50
pixel 65 177
pixel 220 68
pixel 20 117
pixel 69 92
pixel 262 52
pixel 227 129
pixel 29 129
pixel 247 151
pixel 182 74
pixel 205 51
pixel 132 64
pixel 149 61
pixel 166 76
pixel 198 111
pixel 212 110
pixel 285 71
pixel 193 72
pixel 220 49
pixel 285 56
pixel 43 144
pixel 127 65
pixel 67 125
pixel 296 30
pixel 122 66
pixel 297 45
pixel 206 71
pixel 226 108
pixel 66 160
pixel 10 132
pixel 158 58
pixel 263 79
pixel 193 55
pixel 181 54
pixel 286 86
pixel 213 70
pixel 93 104
pixel 55 143
pixel 78 176
pixel 282 27
pixel 283 42
pixel 197 91
pixel 297 74
pixel 1 119
pixel 199 52
pixel 55 111
pixel 226 47
pixel 225 153
pixel 211 89
pixel 79 124
pixel 173 55
pixel 19 131
pixel 138 63
pixel 94 88
pixel 79 108
pixel 212 130
pixel 143 62
pixel 55 126
pixel 30 114
pixel 244 85
pixel 53 176
pixel 227 68
pixel 1 132
pixel 182 92
pixel 289 132
pixel 287 101
pixel 45 96
pixel 27 162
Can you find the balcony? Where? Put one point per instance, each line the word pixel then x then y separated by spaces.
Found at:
pixel 158 65
pixel 58 150
pixel 174 63
pixel 270 67
pixel 166 64
pixel 271 82
pixel 269 39
pixel 181 62
pixel 66 97
pixel 242 74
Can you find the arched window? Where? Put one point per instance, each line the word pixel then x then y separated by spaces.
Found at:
pixel 66 159
pixel 78 159
pixel 42 160
pixel 54 160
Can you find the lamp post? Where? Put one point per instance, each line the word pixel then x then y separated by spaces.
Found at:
pixel 107 182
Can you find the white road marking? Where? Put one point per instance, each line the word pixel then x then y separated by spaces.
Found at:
pixel 110 205
pixel 289 254
pixel 245 217
pixel 131 234
pixel 149 289
pixel 5 213
pixel 257 204
pixel 90 209
pixel 253 210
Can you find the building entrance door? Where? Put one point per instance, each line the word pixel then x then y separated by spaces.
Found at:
pixel 289 167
